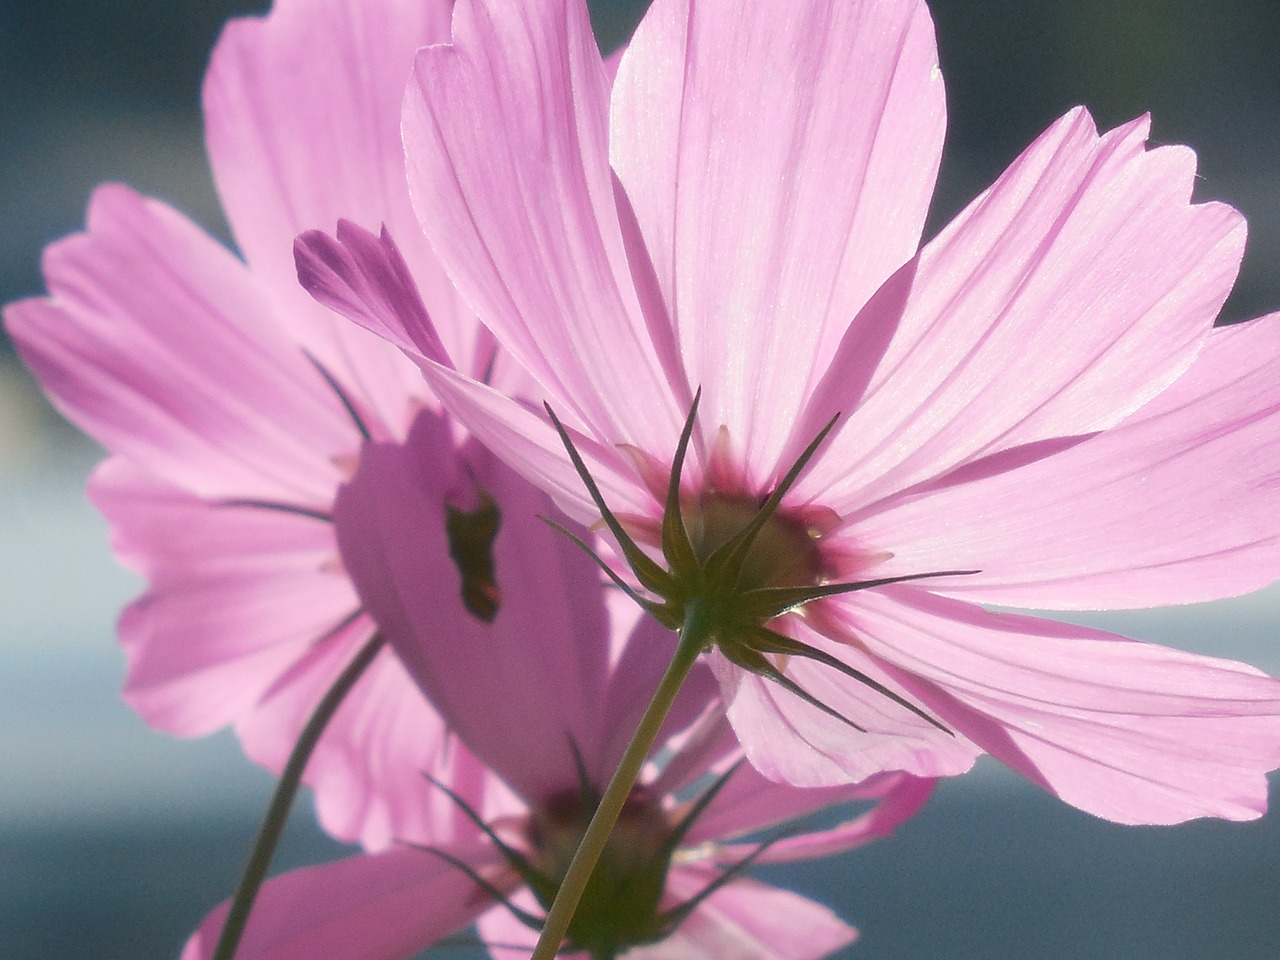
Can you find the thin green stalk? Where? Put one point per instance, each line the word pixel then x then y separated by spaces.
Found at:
pixel 264 846
pixel 693 639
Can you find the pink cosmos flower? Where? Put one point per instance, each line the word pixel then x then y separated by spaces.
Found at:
pixel 234 406
pixel 548 698
pixel 1037 395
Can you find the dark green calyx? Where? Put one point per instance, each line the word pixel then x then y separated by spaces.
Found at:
pixel 620 907
pixel 733 563
pixel 785 552
pixel 471 534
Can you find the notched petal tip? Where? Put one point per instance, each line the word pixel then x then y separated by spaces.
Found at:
pixel 363 277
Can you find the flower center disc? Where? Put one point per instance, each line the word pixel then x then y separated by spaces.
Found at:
pixel 620 904
pixel 785 552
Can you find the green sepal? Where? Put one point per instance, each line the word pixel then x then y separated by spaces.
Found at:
pixel 521 914
pixel 530 874
pixel 676 545
pixel 753 660
pixel 765 603
pixel 647 571
pixel 765 640
pixel 726 562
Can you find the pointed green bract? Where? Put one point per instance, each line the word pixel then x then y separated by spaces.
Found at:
pixel 727 562
pixel 737 606
pixel 649 573
pixel 620 907
pixel 676 545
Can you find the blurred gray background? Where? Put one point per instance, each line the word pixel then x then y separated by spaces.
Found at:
pixel 114 840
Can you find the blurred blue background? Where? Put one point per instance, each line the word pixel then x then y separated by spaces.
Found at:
pixel 114 840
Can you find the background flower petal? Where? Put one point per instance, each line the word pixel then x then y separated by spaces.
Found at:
pixel 247 620
pixel 385 906
pixel 302 121
pixel 749 802
pixel 523 689
pixel 158 343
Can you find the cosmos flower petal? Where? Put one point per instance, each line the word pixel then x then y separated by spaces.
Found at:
pixel 392 531
pixel 303 128
pixel 746 920
pixel 1135 517
pixel 217 403
pixel 828 180
pixel 385 906
pixel 749 802
pixel 520 206
pixel 235 595
pixel 247 621
pixel 367 770
pixel 789 740
pixel 1060 301
pixel 897 806
pixel 1129 731
pixel 363 277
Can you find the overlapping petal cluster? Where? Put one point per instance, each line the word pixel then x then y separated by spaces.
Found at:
pixel 233 406
pixel 547 699
pixel 1037 394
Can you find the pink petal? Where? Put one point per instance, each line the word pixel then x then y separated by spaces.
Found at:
pixel 157 342
pixel 523 689
pixel 302 120
pixel 1175 505
pixel 367 771
pixel 1128 731
pixel 247 621
pixel 364 278
pixel 780 160
pixel 749 802
pixel 788 740
pixel 746 921
pixel 1064 298
pixel 236 595
pixel 518 200
pixel 385 906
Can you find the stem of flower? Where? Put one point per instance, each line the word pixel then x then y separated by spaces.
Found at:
pixel 694 636
pixel 264 845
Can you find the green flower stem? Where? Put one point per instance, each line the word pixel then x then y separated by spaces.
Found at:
pixel 264 846
pixel 694 637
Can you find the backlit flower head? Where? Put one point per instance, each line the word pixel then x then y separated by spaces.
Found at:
pixel 1034 402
